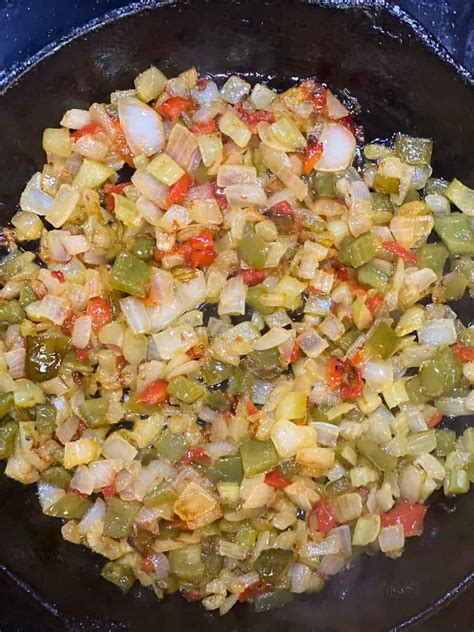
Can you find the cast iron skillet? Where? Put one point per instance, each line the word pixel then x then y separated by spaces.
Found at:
pixel 401 84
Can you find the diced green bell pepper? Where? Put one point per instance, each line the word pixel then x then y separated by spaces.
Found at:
pixel 254 300
pixel 324 184
pixel 27 296
pixel 56 475
pixel 386 184
pixel 455 284
pixel 356 252
pixel 382 208
pixel 370 274
pixel 456 482
pixel 186 562
pixel 45 418
pixel 129 274
pixel 143 248
pixel 94 412
pixel 258 456
pixel 340 486
pixel 462 196
pixel 345 341
pixel 253 249
pixel 441 373
pixel 445 441
pixel 44 355
pixel 162 494
pixel 217 400
pixel 261 362
pixel 118 574
pixel 215 372
pixel 381 459
pixel 170 446
pixel 70 507
pixel 119 517
pixel 186 390
pixel 272 563
pixel 6 404
pixel 413 151
pixel 383 341
pixel 11 312
pixel 8 432
pixel 456 232
pixel 228 469
pixel 432 256
pixel 264 602
pixel 415 391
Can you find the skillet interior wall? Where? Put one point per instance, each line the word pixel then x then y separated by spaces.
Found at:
pixel 400 86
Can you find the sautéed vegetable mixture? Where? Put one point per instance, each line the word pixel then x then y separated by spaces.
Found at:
pixel 226 342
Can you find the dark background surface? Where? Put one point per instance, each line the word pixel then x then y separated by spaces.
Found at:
pixel 450 21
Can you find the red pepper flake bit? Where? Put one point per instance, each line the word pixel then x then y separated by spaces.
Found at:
pixel 194 454
pixel 99 310
pixel 255 117
pixel 276 479
pixel 373 303
pixel 178 191
pixel 435 419
pixel 348 377
pixel 82 354
pixel 253 277
pixel 77 377
pixel 342 274
pixel 81 427
pixel 57 274
pixel 173 107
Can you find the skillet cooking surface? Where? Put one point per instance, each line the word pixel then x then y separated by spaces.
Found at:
pixel 400 85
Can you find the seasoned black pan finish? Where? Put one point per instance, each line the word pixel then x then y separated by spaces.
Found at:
pixel 401 85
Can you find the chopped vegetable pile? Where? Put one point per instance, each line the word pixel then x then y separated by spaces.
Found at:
pixel 226 361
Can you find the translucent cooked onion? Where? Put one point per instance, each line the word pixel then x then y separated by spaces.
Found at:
pixel 135 314
pixel 150 187
pixel 438 332
pixel 81 332
pixel 142 126
pixel 76 119
pixel 245 195
pixel 95 513
pixel 181 146
pixel 206 95
pixel 335 108
pixel 33 199
pixel 339 147
pixel 236 174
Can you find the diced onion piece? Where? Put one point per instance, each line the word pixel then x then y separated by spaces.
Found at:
pixel 347 507
pixel 181 146
pixel 289 437
pixel 53 308
pixel 81 452
pixel 76 119
pixel 75 244
pixel 161 286
pixel 311 343
pixel 15 360
pixel 142 126
pixel 206 212
pixel 378 373
pixel 438 332
pixel 339 147
pixel 245 195
pixel 262 96
pixel 192 293
pixel 135 314
pixel 236 174
pixel 232 297
pixel 234 128
pixel 273 338
pixel 116 447
pixel 234 89
pixel 335 108
pixel 28 225
pixel 175 340
pixel 81 332
pixel 278 162
pixel 92 175
pixel 95 513
pixel 33 199
pixel 149 84
pixel 83 480
pixel 63 206
pixel 206 95
pixel 391 538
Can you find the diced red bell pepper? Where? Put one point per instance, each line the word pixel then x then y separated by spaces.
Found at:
pixel 400 251
pixel 348 377
pixel 253 277
pixel 177 191
pixel 91 129
pixel 147 565
pixel 255 589
pixel 373 303
pixel 285 208
pixel 435 419
pixel 57 274
pixel 199 250
pixel 155 393
pixel 313 153
pixel 109 491
pixel 191 595
pixel 193 455
pixel 409 515
pixel 295 354
pixel 173 107
pixel 342 274
pixel 276 479
pixel 109 198
pixel 99 310
pixel 251 408
pixel 316 94
pixel 68 324
pixel 121 144
pixel 463 354
pixel 219 195
pixel 324 515
pixel 206 127
pixel 348 123
pixel 82 354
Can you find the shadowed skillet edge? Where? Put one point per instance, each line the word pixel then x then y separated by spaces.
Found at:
pixel 131 9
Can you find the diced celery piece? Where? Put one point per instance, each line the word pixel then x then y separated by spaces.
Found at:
pixel 92 175
pixel 165 169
